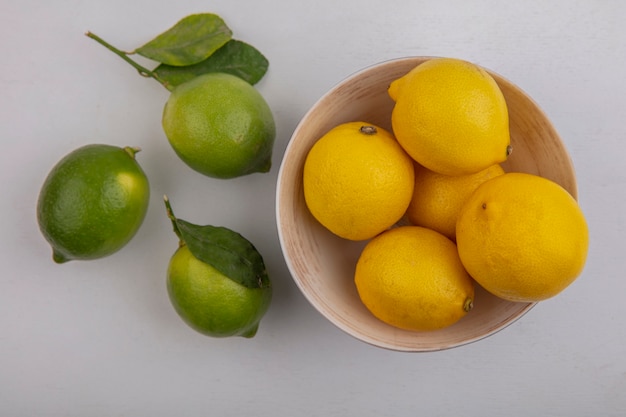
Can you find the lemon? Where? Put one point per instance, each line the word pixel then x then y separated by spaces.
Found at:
pixel 522 237
pixel 412 278
pixel 212 303
pixel 437 199
pixel 220 126
pixel 357 180
pixel 92 202
pixel 451 117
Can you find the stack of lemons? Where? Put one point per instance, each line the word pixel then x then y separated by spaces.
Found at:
pixel 437 210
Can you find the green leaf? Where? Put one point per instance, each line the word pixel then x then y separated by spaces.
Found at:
pixel 227 251
pixel 191 40
pixel 235 57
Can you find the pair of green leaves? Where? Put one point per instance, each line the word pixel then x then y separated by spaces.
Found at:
pixel 196 45
pixel 224 249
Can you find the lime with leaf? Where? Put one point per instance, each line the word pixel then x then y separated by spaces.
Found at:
pixel 215 120
pixel 216 280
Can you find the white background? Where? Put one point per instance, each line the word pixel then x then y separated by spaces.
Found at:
pixel 100 338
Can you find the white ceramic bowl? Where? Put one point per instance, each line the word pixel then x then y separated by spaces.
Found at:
pixel 322 264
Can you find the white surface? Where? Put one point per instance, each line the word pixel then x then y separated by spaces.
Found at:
pixel 101 339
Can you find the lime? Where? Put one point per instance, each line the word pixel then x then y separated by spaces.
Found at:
pixel 220 126
pixel 212 303
pixel 217 280
pixel 92 202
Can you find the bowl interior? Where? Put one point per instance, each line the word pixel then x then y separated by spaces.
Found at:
pixel 322 264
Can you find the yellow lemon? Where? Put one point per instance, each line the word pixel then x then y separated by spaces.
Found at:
pixel 412 278
pixel 451 116
pixel 357 180
pixel 437 198
pixel 522 237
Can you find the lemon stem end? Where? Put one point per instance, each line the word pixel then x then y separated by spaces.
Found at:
pixel 468 305
pixel 368 130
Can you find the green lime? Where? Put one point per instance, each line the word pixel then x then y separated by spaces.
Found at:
pixel 212 303
pixel 217 280
pixel 220 126
pixel 92 202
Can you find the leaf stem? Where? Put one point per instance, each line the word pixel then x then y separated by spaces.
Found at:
pixel 143 71
pixel 170 214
